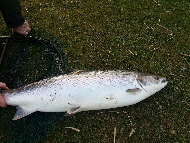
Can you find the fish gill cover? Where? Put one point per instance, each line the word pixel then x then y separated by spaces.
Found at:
pixel 27 59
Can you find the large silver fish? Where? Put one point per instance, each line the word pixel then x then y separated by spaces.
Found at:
pixel 82 91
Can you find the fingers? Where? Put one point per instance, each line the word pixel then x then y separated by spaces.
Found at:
pixel 3 85
pixel 23 29
pixel 2 102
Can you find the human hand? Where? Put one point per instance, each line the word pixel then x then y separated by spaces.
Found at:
pixel 3 85
pixel 2 101
pixel 23 29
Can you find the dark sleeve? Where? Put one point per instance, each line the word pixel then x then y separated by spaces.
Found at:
pixel 11 11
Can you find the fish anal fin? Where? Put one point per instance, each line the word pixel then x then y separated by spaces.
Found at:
pixel 21 112
pixel 133 90
pixel 73 111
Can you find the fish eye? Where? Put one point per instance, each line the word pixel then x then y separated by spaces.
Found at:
pixel 156 77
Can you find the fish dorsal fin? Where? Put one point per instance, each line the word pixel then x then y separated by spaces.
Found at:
pixel 75 71
pixel 73 110
pixel 21 112
pixel 133 90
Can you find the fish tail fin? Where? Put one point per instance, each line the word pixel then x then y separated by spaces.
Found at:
pixel 2 102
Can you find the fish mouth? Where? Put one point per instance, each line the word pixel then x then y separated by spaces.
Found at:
pixel 163 80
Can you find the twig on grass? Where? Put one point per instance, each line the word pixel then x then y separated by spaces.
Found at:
pixel 184 55
pixel 73 129
pixel 114 134
pixel 163 26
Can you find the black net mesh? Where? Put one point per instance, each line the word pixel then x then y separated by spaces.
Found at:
pixel 27 59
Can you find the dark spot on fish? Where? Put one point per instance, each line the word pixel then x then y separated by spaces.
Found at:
pixel 69 103
pixel 106 98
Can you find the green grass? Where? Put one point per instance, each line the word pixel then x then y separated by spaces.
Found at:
pixel 135 35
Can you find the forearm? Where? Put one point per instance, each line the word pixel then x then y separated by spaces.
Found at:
pixel 11 11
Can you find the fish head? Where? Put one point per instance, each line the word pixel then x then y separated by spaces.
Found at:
pixel 151 83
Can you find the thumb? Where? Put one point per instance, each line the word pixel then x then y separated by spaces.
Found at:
pixel 3 85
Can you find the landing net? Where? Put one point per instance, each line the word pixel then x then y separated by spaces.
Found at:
pixel 25 59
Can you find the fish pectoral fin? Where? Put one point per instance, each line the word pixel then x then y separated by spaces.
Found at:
pixel 21 112
pixel 133 90
pixel 73 110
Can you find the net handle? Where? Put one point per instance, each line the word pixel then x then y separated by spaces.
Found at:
pixel 2 54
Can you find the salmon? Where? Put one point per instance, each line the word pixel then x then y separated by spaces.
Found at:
pixel 82 91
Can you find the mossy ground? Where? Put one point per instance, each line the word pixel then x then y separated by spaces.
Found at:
pixel 146 36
